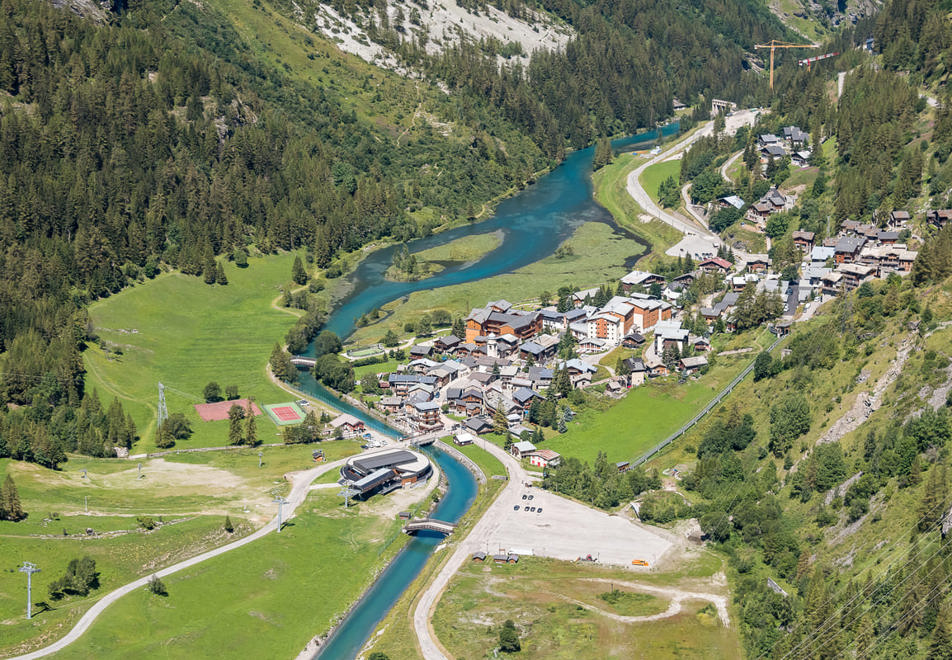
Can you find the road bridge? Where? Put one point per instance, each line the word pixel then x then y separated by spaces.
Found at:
pixel 430 525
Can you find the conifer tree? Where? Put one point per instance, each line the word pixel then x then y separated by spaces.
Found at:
pixel 298 273
pixel 500 424
pixel 10 508
pixel 220 276
pixel 235 415
pixel 251 428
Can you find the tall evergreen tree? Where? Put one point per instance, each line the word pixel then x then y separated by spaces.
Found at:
pixel 10 508
pixel 251 427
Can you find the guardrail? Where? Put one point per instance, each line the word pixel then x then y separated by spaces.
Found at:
pixel 710 406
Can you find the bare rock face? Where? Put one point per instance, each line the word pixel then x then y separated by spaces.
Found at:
pixel 91 9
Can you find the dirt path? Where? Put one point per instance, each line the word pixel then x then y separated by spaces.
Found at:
pixel 676 596
pixel 301 486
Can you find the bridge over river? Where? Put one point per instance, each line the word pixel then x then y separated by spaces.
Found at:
pixel 430 525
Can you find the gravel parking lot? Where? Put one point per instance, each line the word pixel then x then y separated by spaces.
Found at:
pixel 568 530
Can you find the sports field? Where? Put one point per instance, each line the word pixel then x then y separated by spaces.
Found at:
pixel 653 175
pixel 184 333
pixel 285 414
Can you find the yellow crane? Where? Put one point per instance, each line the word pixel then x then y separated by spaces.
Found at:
pixel 774 44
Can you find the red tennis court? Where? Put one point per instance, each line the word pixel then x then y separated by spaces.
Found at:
pixel 286 413
pixel 213 412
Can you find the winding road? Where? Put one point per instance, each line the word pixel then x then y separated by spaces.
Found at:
pixel 641 196
pixel 301 486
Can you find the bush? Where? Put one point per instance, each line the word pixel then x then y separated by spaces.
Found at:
pixel 231 392
pixel 157 587
pixel 212 392
pixel 80 577
pixel 509 638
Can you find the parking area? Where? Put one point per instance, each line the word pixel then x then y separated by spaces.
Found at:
pixel 568 530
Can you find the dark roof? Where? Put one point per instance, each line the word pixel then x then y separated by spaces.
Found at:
pixel 541 373
pixel 532 348
pixel 368 464
pixel 477 423
pixel 524 394
pixel 448 341
pixel 850 244
pixel 421 350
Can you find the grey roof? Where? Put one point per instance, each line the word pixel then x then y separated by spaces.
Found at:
pixel 411 379
pixel 532 348
pixel 734 201
pixel 423 406
pixel 476 423
pixel 849 244
pixel 368 464
pixel 775 150
pixel 524 394
pixel 372 479
pixel 541 373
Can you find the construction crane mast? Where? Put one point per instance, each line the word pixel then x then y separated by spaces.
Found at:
pixel 773 45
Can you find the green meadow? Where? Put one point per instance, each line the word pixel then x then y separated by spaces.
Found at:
pixel 266 599
pixel 181 332
pixel 643 417
pixel 653 175
pixel 188 495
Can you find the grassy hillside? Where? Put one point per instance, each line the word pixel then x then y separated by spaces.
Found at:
pixel 183 333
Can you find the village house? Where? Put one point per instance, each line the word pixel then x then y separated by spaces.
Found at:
pixel 390 404
pixel 757 263
pixel 447 344
pixel 583 297
pixel 633 340
pixel 670 333
pixel 545 458
pixel 731 201
pixel 522 449
pixel 638 278
pixel 463 438
pixel 855 275
pixel 637 371
pixel 888 258
pixel 716 265
pixel 690 365
pixel 939 218
pixel 847 249
pixel 803 240
pixel 497 318
pixel 421 351
pixel 400 384
pixel 349 426
pixel 478 424
pixel 899 219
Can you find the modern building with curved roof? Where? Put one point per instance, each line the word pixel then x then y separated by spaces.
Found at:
pixel 385 470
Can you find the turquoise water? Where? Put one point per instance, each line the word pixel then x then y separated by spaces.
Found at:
pixel 533 224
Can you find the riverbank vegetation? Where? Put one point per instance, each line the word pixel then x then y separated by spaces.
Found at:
pixel 611 192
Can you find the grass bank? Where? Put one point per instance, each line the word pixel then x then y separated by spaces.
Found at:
pixel 653 175
pixel 612 193
pixel 645 416
pixel 188 495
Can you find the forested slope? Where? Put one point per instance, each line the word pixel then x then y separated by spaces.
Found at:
pixel 159 134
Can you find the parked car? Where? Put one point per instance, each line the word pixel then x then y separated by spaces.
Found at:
pixel 532 509
pixel 524 496
pixel 526 508
pixel 539 510
pixel 515 508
